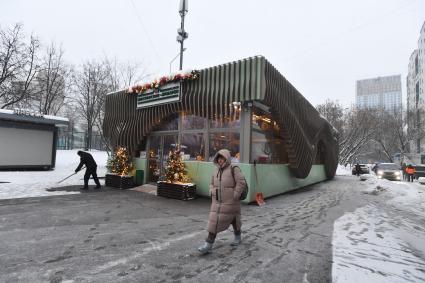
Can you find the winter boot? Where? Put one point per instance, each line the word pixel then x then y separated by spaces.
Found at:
pixel 84 188
pixel 236 241
pixel 98 187
pixel 206 248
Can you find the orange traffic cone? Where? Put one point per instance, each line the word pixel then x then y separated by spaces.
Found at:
pixel 259 198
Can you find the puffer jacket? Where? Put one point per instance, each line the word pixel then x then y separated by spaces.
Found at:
pixel 225 193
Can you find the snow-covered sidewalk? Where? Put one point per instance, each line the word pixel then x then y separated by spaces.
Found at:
pixel 22 184
pixel 383 241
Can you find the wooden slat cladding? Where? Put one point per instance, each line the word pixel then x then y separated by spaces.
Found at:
pixel 245 80
pixel 301 124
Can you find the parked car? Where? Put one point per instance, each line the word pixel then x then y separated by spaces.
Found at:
pixel 389 171
pixel 363 167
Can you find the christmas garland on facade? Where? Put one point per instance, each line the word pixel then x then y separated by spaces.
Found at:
pixel 180 77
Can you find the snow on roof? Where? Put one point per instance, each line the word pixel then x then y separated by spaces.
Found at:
pixel 6 111
pixel 56 118
pixel 31 116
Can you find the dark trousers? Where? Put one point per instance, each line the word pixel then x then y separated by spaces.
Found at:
pixel 211 236
pixel 91 172
pixel 410 177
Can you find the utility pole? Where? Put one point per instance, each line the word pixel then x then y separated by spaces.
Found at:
pixel 182 34
pixel 171 62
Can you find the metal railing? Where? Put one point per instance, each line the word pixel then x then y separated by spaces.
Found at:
pixel 68 139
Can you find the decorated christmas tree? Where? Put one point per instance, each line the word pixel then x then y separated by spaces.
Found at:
pixel 120 162
pixel 175 171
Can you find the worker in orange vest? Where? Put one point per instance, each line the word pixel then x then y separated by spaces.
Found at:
pixel 410 170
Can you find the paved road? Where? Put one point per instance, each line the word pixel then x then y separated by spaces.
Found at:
pixel 128 236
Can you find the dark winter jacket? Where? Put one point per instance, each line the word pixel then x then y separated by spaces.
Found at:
pixel 86 159
pixel 358 168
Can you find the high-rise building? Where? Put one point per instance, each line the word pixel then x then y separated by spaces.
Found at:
pixel 416 94
pixel 379 93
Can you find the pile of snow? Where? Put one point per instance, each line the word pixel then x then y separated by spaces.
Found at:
pixel 343 170
pixel 376 191
pixel 421 180
pixel 409 197
pixel 34 183
pixel 366 177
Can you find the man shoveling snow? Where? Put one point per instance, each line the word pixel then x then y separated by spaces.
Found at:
pixel 91 167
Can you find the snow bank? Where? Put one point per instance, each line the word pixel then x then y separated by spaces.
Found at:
pixel 343 170
pixel 366 177
pixel 410 197
pixel 34 183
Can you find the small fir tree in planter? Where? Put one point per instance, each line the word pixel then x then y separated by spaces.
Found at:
pixel 120 165
pixel 175 171
pixel 176 184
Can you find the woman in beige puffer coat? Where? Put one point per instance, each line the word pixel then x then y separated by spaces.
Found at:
pixel 225 192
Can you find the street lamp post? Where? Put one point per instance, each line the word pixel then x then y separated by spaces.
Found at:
pixel 182 34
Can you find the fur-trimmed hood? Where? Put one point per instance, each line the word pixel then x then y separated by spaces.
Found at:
pixel 226 154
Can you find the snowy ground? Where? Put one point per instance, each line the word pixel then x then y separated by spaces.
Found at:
pixel 22 184
pixel 377 237
pixel 382 241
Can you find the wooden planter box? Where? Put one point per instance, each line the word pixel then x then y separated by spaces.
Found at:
pixel 177 191
pixel 120 182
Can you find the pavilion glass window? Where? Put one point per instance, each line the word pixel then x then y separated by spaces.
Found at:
pixel 199 138
pixel 228 140
pixel 192 122
pixel 267 144
pixel 170 123
pixel 193 146
pixel 231 119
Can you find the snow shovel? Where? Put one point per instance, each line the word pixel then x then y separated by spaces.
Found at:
pixel 70 175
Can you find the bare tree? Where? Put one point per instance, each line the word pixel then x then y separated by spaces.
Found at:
pixel 51 81
pixel 359 128
pixel 93 81
pixel 121 75
pixel 391 135
pixel 132 72
pixel 18 64
pixel 92 84
pixel 333 112
pixel 355 127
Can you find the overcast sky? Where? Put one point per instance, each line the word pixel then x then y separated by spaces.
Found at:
pixel 321 47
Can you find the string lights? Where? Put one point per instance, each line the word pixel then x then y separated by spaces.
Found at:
pixel 175 171
pixel 121 163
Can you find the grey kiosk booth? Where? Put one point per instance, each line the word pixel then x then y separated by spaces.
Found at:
pixel 28 139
